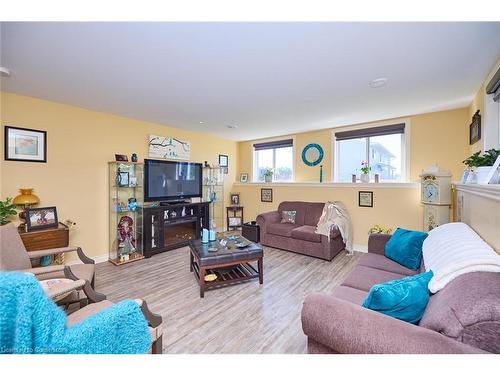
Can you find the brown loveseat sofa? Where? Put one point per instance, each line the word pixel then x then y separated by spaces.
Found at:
pixel 463 317
pixel 299 237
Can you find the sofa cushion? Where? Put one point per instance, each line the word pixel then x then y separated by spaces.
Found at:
pixel 468 309
pixel 306 233
pixel 281 229
pixel 404 299
pixel 365 277
pixel 380 262
pixel 347 293
pixel 405 247
pixel 300 207
pixel 314 210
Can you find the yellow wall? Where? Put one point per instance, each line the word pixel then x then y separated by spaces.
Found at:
pixel 392 207
pixel 439 137
pixel 80 143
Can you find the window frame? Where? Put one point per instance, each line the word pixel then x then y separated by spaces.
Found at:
pixel 405 148
pixel 254 157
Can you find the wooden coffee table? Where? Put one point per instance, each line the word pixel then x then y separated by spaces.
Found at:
pixel 230 264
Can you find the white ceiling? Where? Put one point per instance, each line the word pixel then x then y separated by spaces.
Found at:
pixel 268 78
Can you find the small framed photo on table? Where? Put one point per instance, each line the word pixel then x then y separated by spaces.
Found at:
pixel 244 178
pixel 41 218
pixel 25 144
pixel 235 199
pixel 365 198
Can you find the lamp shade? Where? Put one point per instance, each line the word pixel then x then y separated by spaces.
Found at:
pixel 26 198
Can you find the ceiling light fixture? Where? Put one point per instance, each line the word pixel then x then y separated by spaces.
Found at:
pixel 201 122
pixel 232 126
pixel 4 72
pixel 377 83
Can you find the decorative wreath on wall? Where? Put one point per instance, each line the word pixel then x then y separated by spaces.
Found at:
pixel 312 154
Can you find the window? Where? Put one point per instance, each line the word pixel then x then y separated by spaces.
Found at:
pixel 382 147
pixel 277 156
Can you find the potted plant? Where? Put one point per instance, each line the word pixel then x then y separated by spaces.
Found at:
pixel 377 228
pixel 268 175
pixel 481 165
pixel 7 209
pixel 365 170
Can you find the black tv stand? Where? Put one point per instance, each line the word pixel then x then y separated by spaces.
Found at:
pixel 169 203
pixel 172 226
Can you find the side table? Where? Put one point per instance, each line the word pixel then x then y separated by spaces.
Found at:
pixel 47 239
pixel 234 215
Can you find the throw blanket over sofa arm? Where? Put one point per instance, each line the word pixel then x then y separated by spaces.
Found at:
pixel 348 328
pixel 376 243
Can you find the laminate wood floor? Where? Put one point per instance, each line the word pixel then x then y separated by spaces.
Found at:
pixel 245 318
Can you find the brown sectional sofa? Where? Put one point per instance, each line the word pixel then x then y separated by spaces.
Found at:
pixel 463 317
pixel 299 237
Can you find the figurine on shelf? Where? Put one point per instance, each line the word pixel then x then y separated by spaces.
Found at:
pixel 132 204
pixel 134 158
pixel 125 234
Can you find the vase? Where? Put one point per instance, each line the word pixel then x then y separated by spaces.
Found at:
pixel 365 178
pixel 268 178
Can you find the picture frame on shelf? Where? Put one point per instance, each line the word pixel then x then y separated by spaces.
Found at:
pixel 244 178
pixel 365 198
pixel 123 179
pixel 475 128
pixel 119 157
pixel 132 181
pixel 266 195
pixel 223 161
pixel 22 144
pixel 235 199
pixel 41 218
pixel 493 176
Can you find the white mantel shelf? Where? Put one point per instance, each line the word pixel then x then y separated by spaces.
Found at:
pixel 349 185
pixel 485 191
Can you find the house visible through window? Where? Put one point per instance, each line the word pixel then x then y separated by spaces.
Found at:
pixel 381 147
pixel 276 156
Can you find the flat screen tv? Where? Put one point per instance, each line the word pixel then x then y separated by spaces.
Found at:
pixel 171 180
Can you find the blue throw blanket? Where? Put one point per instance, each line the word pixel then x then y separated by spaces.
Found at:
pixel 30 322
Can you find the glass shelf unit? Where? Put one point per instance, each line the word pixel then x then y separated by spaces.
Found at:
pixel 213 192
pixel 125 211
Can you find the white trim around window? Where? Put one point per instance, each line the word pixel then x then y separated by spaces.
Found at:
pixel 405 146
pixel 252 156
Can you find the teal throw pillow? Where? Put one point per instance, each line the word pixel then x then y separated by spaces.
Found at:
pixel 403 299
pixel 405 247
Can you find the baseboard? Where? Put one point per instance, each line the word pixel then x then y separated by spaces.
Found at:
pixel 98 259
pixel 360 248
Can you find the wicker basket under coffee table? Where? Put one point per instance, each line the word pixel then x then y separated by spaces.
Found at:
pixel 230 264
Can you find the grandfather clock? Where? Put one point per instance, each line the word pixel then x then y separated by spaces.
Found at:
pixel 435 196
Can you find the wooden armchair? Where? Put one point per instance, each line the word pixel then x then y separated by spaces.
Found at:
pixel 14 257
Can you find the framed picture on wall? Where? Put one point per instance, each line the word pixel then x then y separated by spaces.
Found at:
pixel 365 198
pixel 475 128
pixel 25 144
pixel 266 195
pixel 223 161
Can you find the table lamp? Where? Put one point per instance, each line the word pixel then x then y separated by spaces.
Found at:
pixel 25 200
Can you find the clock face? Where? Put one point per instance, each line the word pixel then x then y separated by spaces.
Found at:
pixel 430 193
